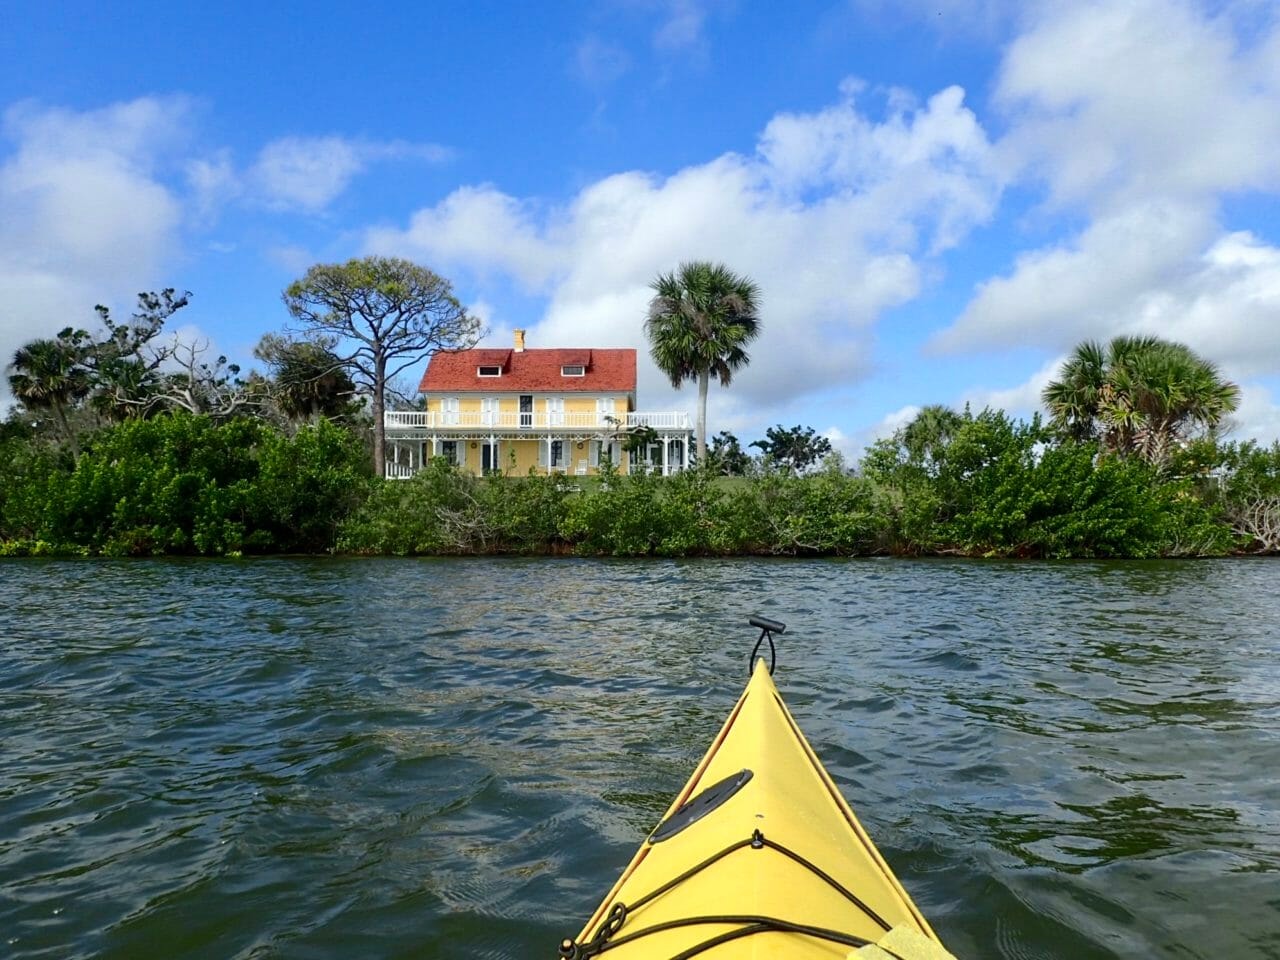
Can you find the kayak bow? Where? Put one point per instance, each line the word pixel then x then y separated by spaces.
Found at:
pixel 759 856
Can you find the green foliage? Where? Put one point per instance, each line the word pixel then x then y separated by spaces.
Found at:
pixel 379 315
pixel 1138 396
pixel 171 485
pixel 310 482
pixel 185 484
pixel 726 456
pixel 795 449
pixel 1244 485
pixel 308 379
pixel 442 510
pixel 828 512
pixel 1000 488
pixel 986 486
pixel 124 365
pixel 700 321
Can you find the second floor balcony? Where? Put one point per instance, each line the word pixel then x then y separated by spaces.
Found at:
pixel 417 423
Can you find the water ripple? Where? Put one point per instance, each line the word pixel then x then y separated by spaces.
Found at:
pixel 311 758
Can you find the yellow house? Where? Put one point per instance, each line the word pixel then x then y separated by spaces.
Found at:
pixel 559 410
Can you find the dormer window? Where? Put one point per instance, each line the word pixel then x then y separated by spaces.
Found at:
pixel 489 371
pixel 573 370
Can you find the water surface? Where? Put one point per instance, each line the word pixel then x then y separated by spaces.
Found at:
pixel 455 758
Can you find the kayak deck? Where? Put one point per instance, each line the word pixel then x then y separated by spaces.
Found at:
pixel 758 856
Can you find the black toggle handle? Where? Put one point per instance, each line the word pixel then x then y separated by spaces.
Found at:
pixel 767 629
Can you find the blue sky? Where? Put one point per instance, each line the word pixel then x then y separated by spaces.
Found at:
pixel 938 199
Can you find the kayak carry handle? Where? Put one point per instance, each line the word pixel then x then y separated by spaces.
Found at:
pixel 764 623
pixel 767 629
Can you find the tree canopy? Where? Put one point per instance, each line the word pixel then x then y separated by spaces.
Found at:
pixel 49 375
pixel 379 315
pixel 1138 395
pixel 795 449
pixel 700 320
pixel 308 379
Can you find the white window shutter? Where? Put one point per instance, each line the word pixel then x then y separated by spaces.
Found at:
pixel 595 453
pixel 542 453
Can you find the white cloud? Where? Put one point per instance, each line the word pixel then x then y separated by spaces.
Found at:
pixel 1223 301
pixel 1087 287
pixel 213 182
pixel 305 173
pixel 1020 400
pixel 84 214
pixel 482 229
pixel 1144 116
pixel 1258 417
pixel 853 445
pixel 1121 100
pixel 598 63
pixel 681 27
pixel 832 235
pixel 309 173
pixel 1227 306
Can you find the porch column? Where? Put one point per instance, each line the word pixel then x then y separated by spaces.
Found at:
pixel 550 440
pixel 666 443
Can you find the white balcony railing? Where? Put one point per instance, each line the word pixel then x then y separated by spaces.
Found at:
pixel 412 421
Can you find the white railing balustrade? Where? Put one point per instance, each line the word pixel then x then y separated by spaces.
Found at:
pixel 416 420
pixel 659 421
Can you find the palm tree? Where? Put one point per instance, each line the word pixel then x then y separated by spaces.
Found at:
pixel 700 320
pixel 1138 395
pixel 309 379
pixel 50 375
pixel 929 432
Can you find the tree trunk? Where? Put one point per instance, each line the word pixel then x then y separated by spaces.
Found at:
pixel 379 428
pixel 704 377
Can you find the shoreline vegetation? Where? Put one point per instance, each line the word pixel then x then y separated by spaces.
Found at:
pixel 987 486
pixel 125 444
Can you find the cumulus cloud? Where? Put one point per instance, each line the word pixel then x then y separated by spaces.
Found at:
pixel 1143 116
pixel 831 216
pixel 1112 102
pixel 309 173
pixel 1223 300
pixel 1258 417
pixel 85 215
pixel 213 182
pixel 1088 286
pixel 1020 400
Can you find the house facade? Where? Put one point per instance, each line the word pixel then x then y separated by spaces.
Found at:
pixel 549 410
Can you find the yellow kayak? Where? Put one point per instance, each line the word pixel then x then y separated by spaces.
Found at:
pixel 759 856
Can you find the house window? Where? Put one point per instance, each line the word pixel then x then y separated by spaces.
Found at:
pixel 573 370
pixel 490 371
pixel 555 411
pixel 449 449
pixel 558 450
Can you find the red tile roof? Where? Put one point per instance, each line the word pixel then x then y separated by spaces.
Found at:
pixel 531 371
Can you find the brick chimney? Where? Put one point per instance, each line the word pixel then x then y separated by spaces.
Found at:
pixel 519 341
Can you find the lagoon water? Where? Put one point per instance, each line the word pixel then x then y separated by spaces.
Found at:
pixel 455 758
